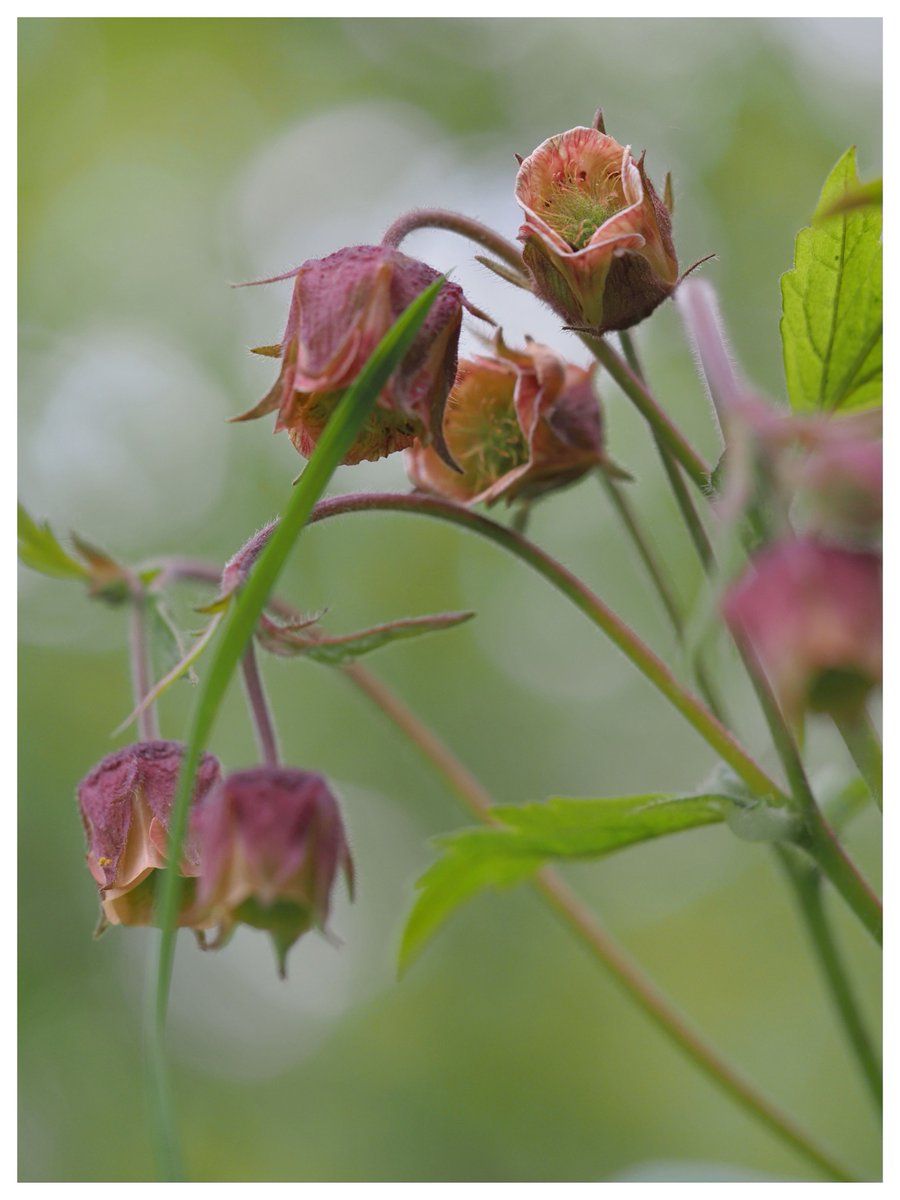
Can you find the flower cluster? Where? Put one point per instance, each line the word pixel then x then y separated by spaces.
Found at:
pixel 264 846
pixel 597 248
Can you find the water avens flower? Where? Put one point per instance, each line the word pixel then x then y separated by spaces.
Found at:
pixel 125 803
pixel 341 307
pixel 597 238
pixel 271 843
pixel 519 423
pixel 811 613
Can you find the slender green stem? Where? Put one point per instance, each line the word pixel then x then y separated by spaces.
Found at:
pixel 263 721
pixel 821 844
pixel 817 838
pixel 645 551
pixel 862 740
pixel 686 507
pixel 648 663
pixel 722 384
pixel 585 925
pixel 467 227
pixel 685 1036
pixel 697 470
pixel 339 435
pixel 807 883
pixel 141 682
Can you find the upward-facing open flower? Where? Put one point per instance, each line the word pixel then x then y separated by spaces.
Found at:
pixel 811 614
pixel 598 240
pixel 518 424
pixel 125 806
pixel 341 308
pixel 271 844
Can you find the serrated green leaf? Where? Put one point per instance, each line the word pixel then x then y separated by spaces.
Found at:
pixel 40 550
pixel 335 651
pixel 528 836
pixel 831 324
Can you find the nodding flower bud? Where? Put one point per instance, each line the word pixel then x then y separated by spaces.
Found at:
pixel 518 424
pixel 811 615
pixel 598 239
pixel 341 308
pixel 271 843
pixel 125 805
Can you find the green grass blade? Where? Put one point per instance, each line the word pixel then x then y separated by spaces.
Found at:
pixel 339 435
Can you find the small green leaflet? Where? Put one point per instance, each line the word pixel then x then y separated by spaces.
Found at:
pixel 529 835
pixel 334 651
pixel 40 550
pixel 831 323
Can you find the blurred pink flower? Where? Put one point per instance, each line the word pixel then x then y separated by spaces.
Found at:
pixel 811 613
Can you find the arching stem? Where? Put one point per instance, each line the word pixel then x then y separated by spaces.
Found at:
pixel 587 928
pixel 467 227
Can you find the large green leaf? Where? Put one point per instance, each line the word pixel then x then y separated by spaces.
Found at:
pixel 831 323
pixel 527 836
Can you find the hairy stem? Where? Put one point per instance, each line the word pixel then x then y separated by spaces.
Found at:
pixel 821 844
pixel 141 681
pixel 648 557
pixel 648 663
pixel 263 722
pixel 682 496
pixel 817 838
pixel 646 553
pixel 585 925
pixel 664 428
pixel 467 227
pixel 701 314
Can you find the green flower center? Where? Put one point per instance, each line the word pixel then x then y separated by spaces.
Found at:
pixel 578 205
pixel 487 441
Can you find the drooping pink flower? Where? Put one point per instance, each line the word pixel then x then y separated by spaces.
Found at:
pixel 341 307
pixel 518 424
pixel 271 843
pixel 125 806
pixel 812 613
pixel 597 238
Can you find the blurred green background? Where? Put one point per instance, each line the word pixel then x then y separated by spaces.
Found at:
pixel 161 159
